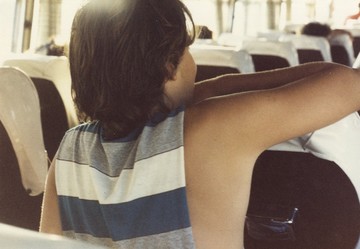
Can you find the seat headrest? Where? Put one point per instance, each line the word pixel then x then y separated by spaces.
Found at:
pixel 276 48
pixel 53 68
pixel 309 42
pixel 222 56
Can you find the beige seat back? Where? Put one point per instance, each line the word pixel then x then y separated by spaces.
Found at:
pixel 20 116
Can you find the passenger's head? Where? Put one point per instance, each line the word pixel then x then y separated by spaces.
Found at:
pixel 121 54
pixel 316 29
pixel 203 32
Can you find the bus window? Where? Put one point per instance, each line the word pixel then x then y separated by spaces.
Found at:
pixel 52 21
pixel 249 17
pixel 213 14
pixel 52 18
pixel 11 17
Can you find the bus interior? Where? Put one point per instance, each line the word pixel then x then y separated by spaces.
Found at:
pixel 305 192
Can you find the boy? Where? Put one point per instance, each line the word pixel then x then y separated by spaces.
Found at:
pixel 164 164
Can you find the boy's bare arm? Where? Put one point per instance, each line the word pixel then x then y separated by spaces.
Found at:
pixel 236 83
pixel 264 118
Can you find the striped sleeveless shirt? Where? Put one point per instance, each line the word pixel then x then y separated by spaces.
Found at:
pixel 128 192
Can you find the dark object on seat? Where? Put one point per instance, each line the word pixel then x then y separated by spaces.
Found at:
pixel 309 55
pixel 340 55
pixel 207 72
pixel 16 206
pixel 329 211
pixel 268 62
pixel 53 115
pixel 276 226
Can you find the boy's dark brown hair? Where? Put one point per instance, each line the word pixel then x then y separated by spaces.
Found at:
pixel 121 54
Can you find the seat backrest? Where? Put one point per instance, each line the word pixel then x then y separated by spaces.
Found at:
pixel 229 39
pixel 205 72
pixel 270 35
pixel 329 211
pixel 312 45
pixel 309 55
pixel 322 185
pixel 268 62
pixel 270 54
pixel 53 115
pixel 338 142
pixel 23 159
pixel 16 207
pixel 340 55
pixel 356 44
pixel 213 61
pixel 52 68
pixel 342 50
pixel 51 77
pixel 355 32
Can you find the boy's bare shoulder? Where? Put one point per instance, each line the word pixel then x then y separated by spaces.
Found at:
pixel 218 123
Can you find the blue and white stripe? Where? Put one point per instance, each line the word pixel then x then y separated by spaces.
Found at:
pixel 125 192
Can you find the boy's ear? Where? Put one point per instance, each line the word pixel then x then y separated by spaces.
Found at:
pixel 171 71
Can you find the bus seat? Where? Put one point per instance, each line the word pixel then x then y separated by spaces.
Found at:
pixel 52 68
pixel 326 159
pixel 270 34
pixel 53 123
pixel 356 44
pixel 338 142
pixel 342 50
pixel 293 28
pixel 23 159
pixel 203 41
pixel 340 55
pixel 51 77
pixel 213 61
pixel 229 39
pixel 355 32
pixel 309 48
pixel 328 213
pixel 268 55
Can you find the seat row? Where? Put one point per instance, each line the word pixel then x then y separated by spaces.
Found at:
pixel 238 54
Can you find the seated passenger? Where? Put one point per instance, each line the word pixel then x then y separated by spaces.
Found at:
pixel 353 17
pixel 53 47
pixel 323 30
pixel 203 32
pixel 316 29
pixel 161 162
